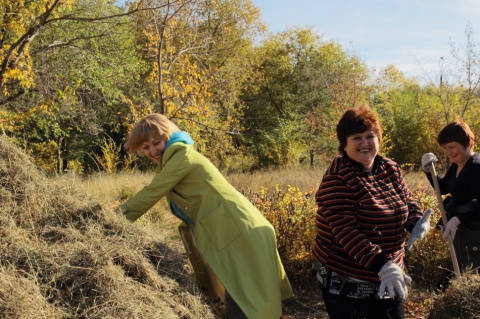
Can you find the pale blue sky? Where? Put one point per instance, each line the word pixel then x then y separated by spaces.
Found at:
pixel 411 34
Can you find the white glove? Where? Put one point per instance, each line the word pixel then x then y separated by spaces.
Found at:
pixel 422 227
pixel 451 228
pixel 428 158
pixel 394 279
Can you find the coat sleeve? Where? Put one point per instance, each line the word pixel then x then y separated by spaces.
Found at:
pixel 442 181
pixel 175 169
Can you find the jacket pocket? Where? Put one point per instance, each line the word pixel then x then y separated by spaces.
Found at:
pixel 467 247
pixel 220 227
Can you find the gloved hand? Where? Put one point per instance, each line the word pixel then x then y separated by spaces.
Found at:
pixel 428 158
pixel 422 227
pixel 451 228
pixel 394 279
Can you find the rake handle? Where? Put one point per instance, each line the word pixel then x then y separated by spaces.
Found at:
pixel 451 248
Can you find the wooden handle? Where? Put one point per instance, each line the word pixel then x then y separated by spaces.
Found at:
pixel 451 248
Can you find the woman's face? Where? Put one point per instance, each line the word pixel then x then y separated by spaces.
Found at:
pixel 362 148
pixel 456 152
pixel 153 149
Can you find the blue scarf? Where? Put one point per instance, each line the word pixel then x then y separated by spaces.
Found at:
pixel 182 136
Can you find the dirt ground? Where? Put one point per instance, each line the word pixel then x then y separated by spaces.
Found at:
pixel 309 305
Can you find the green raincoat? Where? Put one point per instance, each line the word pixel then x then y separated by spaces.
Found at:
pixel 235 239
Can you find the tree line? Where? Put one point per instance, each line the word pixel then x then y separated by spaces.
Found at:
pixel 75 75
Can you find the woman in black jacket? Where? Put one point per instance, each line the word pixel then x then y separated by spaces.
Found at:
pixel 461 184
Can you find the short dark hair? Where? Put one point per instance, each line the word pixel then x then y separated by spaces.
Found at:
pixel 357 120
pixel 458 132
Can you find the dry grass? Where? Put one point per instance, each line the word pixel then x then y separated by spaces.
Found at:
pixel 460 300
pixel 64 256
pixel 305 178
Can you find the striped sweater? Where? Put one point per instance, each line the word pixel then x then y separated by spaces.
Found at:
pixel 362 217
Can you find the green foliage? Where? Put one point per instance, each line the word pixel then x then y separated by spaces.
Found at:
pixel 404 121
pixel 126 193
pixel 81 61
pixel 304 85
pixel 88 68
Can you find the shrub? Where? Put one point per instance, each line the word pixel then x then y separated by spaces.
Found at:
pixel 292 214
pixel 428 258
pixel 110 157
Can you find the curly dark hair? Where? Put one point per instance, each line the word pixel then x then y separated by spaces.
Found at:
pixel 357 120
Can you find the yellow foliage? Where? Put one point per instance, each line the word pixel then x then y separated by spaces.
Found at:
pixel 18 19
pixel 110 157
pixel 10 121
pixel 177 77
pixel 292 213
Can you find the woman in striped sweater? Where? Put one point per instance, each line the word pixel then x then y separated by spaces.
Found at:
pixel 364 211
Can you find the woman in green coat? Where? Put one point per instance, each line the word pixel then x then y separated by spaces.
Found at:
pixel 232 237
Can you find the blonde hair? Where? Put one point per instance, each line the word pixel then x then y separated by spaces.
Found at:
pixel 153 125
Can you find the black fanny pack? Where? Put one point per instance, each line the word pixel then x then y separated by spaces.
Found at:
pixel 343 286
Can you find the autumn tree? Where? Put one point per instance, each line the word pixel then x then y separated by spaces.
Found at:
pixel 195 51
pixel 304 84
pixel 21 22
pixel 467 60
pixel 400 103
pixel 344 80
pixel 82 56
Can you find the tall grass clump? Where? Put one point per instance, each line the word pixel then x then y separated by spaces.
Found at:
pixel 292 213
pixel 64 256
pixel 460 300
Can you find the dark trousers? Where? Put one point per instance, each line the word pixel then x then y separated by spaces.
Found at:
pixel 348 308
pixel 232 310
